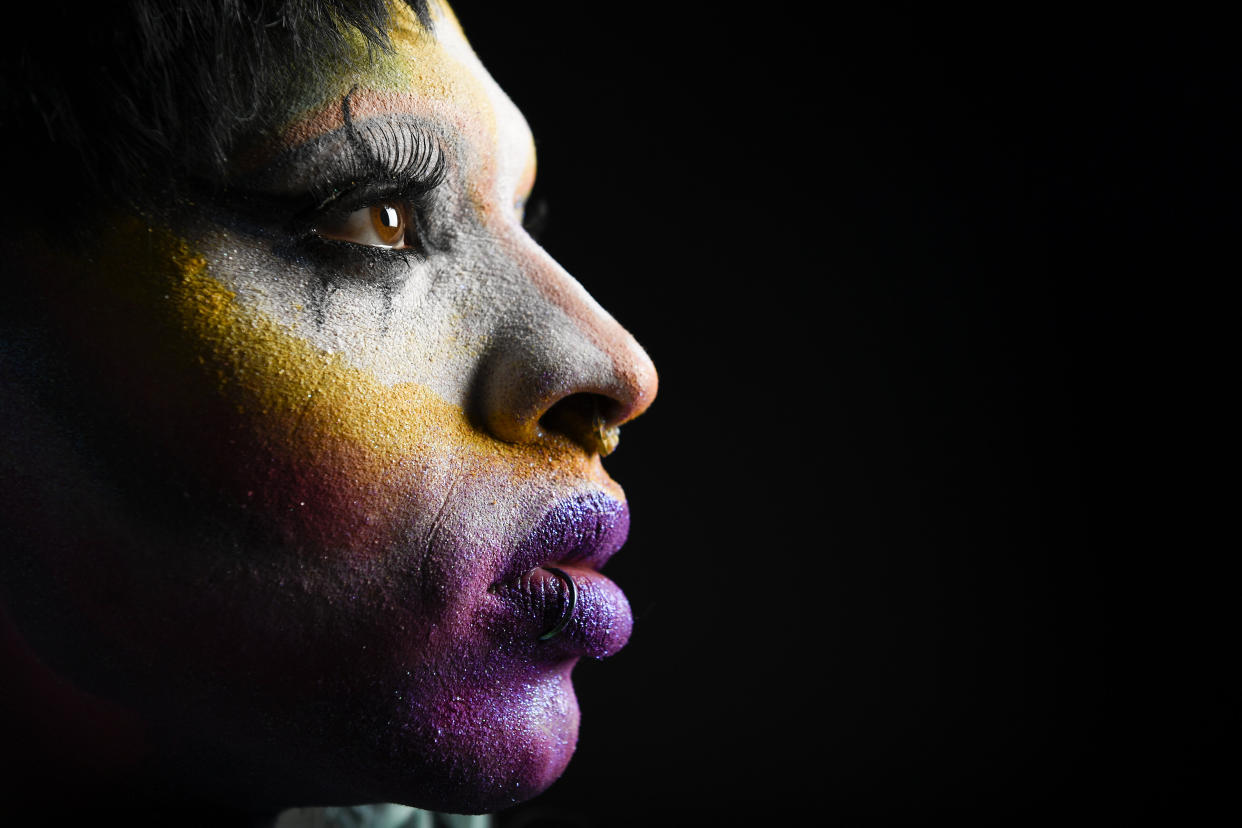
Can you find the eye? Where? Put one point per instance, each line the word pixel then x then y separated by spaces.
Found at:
pixel 383 224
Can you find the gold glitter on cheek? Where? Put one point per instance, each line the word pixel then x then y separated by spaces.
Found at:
pixel 271 420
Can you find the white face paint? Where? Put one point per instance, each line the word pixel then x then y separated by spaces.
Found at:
pixel 346 462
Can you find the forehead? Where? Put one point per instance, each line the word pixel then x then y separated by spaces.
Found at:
pixel 434 76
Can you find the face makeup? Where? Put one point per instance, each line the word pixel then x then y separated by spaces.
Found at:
pixel 337 513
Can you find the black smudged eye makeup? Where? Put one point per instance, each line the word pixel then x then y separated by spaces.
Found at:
pixel 370 184
pixel 377 185
pixel 380 155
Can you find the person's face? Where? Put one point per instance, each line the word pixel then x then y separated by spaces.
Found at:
pixel 332 423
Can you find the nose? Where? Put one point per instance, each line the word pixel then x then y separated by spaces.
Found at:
pixel 561 363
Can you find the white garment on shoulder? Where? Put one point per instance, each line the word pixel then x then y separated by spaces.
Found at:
pixel 384 815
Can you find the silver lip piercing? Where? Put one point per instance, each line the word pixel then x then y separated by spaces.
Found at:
pixel 567 613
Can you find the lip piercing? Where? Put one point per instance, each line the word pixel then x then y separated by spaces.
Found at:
pixel 567 613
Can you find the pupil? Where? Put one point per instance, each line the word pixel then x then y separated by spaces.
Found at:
pixel 389 219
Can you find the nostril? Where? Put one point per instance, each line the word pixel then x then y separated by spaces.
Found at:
pixel 587 419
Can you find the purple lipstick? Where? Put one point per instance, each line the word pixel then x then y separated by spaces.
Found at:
pixel 552 594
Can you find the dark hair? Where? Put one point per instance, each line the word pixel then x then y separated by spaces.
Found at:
pixel 125 95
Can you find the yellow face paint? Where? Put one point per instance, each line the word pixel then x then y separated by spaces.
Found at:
pixel 335 474
pixel 291 401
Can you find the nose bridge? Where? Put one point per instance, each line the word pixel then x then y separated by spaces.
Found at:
pixel 555 343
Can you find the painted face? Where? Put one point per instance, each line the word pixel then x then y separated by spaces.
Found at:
pixel 330 426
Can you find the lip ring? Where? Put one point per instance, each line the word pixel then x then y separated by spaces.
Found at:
pixel 567 614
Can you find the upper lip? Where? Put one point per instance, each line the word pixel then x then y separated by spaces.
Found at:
pixel 584 531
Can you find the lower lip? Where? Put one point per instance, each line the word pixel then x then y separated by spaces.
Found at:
pixel 535 603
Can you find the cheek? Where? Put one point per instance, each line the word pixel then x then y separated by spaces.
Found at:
pixel 332 511
pixel 248 414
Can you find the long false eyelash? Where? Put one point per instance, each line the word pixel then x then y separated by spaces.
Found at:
pixel 385 159
pixel 412 182
pixel 408 165
pixel 403 154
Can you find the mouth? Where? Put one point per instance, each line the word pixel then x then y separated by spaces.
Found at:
pixel 552 594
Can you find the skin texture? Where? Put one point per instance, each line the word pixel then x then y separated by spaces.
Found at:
pixel 263 485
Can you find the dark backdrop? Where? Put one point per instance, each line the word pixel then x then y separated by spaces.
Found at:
pixel 922 526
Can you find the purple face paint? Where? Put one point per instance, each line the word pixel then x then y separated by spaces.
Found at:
pixel 578 536
pixel 319 515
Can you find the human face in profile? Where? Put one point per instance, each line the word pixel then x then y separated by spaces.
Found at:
pixel 336 509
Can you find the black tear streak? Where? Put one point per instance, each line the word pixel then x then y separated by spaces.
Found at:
pixel 319 298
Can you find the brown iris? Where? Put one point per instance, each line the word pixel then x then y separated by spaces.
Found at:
pixel 384 224
pixel 388 222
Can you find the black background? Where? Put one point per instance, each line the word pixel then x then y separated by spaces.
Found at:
pixel 924 514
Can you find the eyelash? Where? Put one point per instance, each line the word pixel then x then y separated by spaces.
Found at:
pixel 397 167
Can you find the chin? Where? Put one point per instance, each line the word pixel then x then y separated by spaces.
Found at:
pixel 481 750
